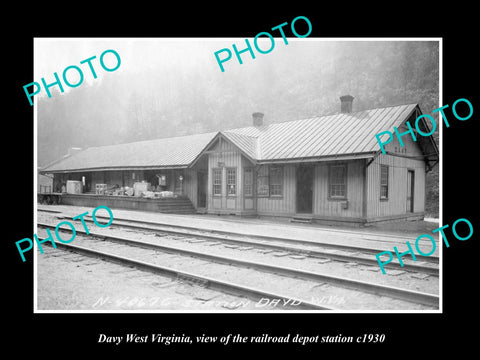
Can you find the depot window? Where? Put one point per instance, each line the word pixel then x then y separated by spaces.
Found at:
pixel 248 182
pixel 337 182
pixel 231 181
pixel 276 180
pixel 383 182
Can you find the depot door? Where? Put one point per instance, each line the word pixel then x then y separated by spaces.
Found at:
pixel 202 189
pixel 304 189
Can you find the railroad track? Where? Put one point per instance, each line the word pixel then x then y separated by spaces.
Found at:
pixel 336 252
pixel 235 275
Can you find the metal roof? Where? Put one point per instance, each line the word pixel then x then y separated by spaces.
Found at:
pixel 337 136
pixel 246 143
pixel 319 137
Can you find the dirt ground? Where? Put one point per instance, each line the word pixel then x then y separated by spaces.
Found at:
pixel 412 228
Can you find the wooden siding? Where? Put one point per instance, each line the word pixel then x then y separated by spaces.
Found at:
pixel 190 185
pixel 410 147
pixel 322 205
pixel 284 205
pixel 397 186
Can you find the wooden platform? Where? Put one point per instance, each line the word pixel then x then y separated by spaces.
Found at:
pixel 178 205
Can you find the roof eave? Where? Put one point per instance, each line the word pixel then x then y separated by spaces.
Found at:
pixel 222 136
pixel 114 168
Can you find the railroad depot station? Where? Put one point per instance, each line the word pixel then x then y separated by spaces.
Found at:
pixel 323 169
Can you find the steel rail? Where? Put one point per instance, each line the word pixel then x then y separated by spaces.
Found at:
pixel 201 233
pixel 432 259
pixel 211 283
pixel 309 252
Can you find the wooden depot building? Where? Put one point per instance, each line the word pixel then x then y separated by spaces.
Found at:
pixel 324 169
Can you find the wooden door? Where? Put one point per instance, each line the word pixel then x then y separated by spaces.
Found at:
pixel 202 189
pixel 305 189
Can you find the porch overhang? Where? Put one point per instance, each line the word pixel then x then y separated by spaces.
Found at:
pixel 122 168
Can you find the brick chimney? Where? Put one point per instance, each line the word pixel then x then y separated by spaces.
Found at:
pixel 346 104
pixel 257 119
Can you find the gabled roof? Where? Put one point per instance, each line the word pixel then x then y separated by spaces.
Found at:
pixel 335 135
pixel 246 143
pixel 160 153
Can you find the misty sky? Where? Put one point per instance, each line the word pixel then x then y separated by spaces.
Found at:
pixel 142 55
